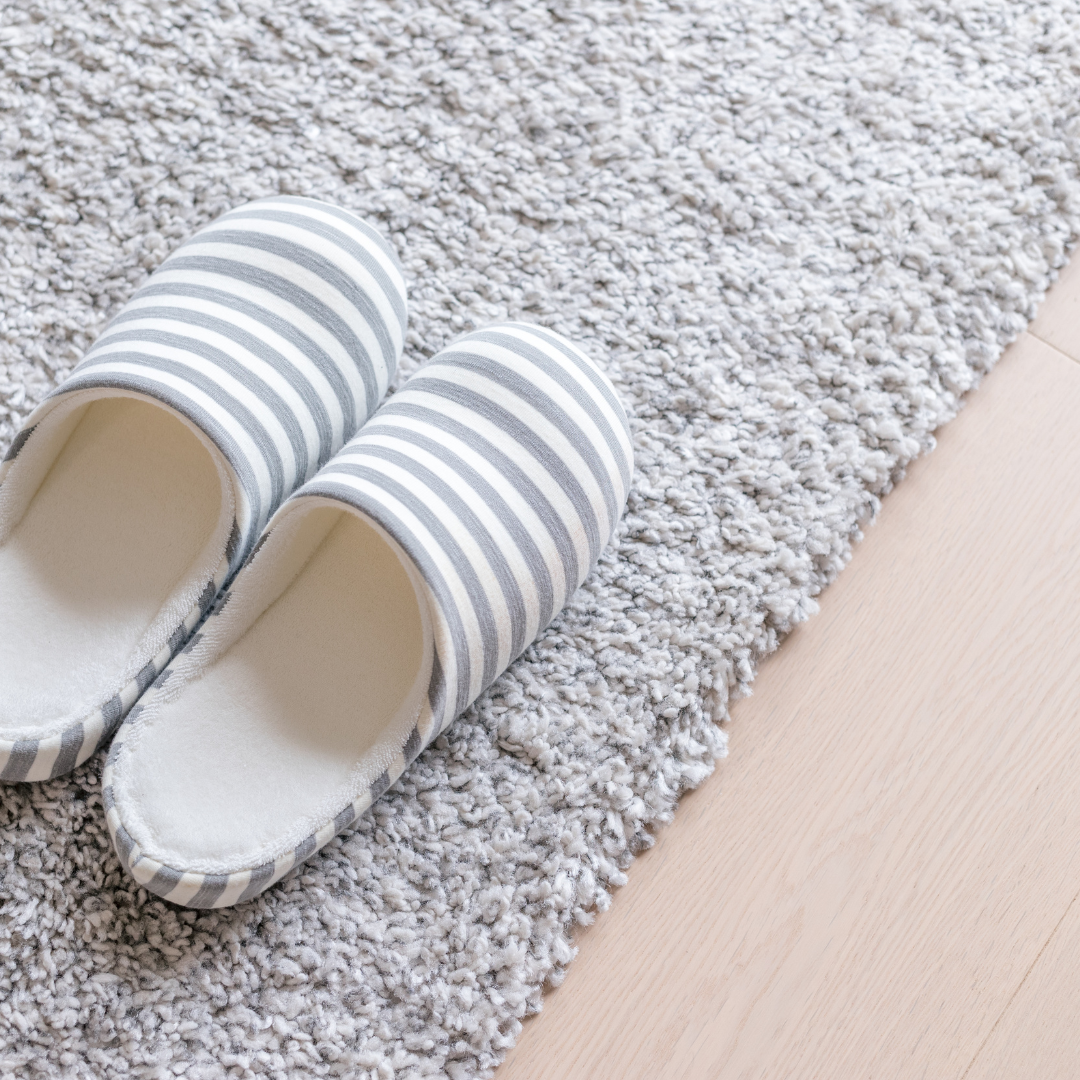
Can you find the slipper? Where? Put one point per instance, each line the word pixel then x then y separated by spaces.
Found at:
pixel 250 357
pixel 384 596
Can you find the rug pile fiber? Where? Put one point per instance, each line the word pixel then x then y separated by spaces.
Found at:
pixel 795 233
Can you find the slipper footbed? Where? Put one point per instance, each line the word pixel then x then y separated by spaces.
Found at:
pixel 234 764
pixel 112 551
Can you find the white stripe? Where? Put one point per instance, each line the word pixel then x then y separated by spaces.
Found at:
pixel 316 211
pixel 282 865
pixel 502 539
pixel 251 453
pixel 203 246
pixel 547 386
pixel 269 374
pixel 47 752
pixel 142 870
pixel 549 487
pixel 546 543
pixel 262 413
pixel 615 421
pixel 326 341
pixel 458 592
pixel 236 884
pixel 543 428
pixel 185 889
pixel 340 258
pixel 299 360
pixel 485 573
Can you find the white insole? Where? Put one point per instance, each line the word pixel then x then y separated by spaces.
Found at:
pixel 123 517
pixel 285 726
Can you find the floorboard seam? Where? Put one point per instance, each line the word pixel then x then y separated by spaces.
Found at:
pixel 1019 987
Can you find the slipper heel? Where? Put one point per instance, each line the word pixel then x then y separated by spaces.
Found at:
pixel 385 595
pixel 135 490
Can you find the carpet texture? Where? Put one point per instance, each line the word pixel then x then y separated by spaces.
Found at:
pixel 794 233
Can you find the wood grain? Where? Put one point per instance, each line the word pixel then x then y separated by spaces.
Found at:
pixel 1037 1034
pixel 1058 320
pixel 863 887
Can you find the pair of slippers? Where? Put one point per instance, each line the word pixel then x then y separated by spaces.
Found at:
pixel 217 550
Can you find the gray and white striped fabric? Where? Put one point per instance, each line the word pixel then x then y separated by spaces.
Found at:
pixel 276 330
pixel 501 468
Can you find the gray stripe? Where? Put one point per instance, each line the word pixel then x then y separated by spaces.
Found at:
pixel 300 298
pixel 352 220
pixel 345 818
pixel 489 633
pixel 525 437
pixel 400 405
pixel 257 548
pixel 262 391
pixel 379 785
pixel 217 393
pixel 164 881
pixel 111 712
pixel 232 545
pixel 496 560
pixel 412 745
pixel 437 689
pixel 257 347
pixel 304 848
pixel 70 745
pixel 530 553
pixel 340 240
pixel 145 677
pixel 283 329
pixel 23 754
pixel 177 638
pixel 424 563
pixel 211 889
pixel 559 375
pixel 587 369
pixel 206 597
pixel 124 845
pixel 547 407
pixel 217 434
pixel 259 878
pixel 325 269
pixel 114 753
pixel 18 443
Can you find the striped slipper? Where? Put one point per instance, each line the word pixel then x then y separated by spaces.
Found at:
pixel 383 597
pixel 248 359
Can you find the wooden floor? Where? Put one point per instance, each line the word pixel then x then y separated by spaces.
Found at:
pixel 882 878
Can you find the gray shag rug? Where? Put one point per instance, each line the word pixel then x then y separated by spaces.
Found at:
pixel 795 233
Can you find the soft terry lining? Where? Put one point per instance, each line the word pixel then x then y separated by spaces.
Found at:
pixel 306 688
pixel 113 518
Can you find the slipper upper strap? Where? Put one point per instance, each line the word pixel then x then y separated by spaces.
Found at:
pixel 275 330
pixel 501 468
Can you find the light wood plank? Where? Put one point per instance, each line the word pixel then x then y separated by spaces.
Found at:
pixel 1037 1034
pixel 861 888
pixel 1058 320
